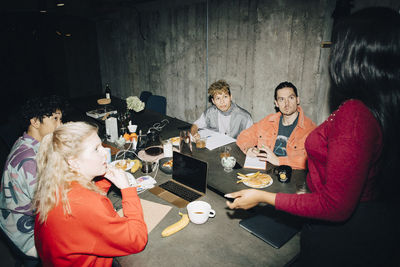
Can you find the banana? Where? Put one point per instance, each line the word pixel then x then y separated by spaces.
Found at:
pixel 253 175
pixel 242 175
pixel 248 176
pixel 136 166
pixel 179 225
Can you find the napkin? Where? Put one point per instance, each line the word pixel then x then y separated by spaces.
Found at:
pixel 153 213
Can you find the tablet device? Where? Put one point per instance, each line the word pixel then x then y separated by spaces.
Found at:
pixel 276 233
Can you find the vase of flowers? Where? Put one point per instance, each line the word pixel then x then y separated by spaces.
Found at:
pixel 133 103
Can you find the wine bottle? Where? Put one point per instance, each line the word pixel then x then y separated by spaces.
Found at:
pixel 108 91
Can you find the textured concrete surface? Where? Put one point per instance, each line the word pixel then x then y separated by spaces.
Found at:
pixel 254 45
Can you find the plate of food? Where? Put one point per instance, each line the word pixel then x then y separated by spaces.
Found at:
pixel 255 180
pixel 175 140
pixel 123 164
pixel 166 165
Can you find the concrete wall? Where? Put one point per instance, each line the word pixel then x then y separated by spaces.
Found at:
pixel 254 45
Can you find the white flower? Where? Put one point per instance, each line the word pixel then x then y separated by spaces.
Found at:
pixel 134 103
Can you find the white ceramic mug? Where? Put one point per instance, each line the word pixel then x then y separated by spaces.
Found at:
pixel 199 212
pixel 132 128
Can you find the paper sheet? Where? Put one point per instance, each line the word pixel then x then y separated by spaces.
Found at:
pixel 153 213
pixel 214 139
pixel 254 163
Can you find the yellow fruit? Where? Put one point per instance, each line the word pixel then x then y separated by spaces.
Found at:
pixel 136 166
pixel 127 137
pixel 179 225
pixel 253 175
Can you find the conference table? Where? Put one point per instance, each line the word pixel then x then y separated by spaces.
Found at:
pixel 220 241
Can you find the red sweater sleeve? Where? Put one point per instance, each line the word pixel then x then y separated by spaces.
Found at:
pixel 119 235
pixel 342 154
pixel 103 184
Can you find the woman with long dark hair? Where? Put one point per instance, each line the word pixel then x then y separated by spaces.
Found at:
pixel 353 157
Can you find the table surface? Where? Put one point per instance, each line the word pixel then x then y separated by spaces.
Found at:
pixel 221 240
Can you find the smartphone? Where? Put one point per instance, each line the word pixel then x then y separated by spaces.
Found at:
pixel 230 199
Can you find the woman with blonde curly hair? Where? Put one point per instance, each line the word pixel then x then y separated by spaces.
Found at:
pixel 76 224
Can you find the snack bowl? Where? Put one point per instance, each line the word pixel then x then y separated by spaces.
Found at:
pixel 283 173
pixel 164 165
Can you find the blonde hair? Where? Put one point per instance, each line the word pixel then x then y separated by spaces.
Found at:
pixel 54 173
pixel 219 87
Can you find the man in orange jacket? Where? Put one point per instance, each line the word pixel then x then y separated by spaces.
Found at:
pixel 279 138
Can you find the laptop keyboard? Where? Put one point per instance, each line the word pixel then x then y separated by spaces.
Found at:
pixel 180 191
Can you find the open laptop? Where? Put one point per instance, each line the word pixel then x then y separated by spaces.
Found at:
pixel 188 183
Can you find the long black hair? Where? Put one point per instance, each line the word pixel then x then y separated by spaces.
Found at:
pixel 365 65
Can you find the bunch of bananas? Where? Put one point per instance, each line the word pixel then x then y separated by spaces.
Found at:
pixel 136 166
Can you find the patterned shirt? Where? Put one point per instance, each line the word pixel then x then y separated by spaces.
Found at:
pixel 17 190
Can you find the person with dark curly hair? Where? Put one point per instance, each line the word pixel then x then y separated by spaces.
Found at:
pixel 41 116
pixel 224 116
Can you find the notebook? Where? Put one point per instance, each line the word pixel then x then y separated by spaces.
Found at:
pixel 276 233
pixel 254 163
pixel 188 183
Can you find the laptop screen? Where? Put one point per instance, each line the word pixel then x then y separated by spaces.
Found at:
pixel 189 171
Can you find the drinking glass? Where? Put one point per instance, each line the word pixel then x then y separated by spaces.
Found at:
pixel 228 163
pixel 185 145
pixel 201 142
pixel 301 187
pixel 225 151
pixel 124 119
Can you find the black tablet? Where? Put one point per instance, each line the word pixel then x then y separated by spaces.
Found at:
pixel 275 233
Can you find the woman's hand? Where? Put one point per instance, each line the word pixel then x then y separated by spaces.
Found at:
pixel 244 199
pixel 249 198
pixel 117 176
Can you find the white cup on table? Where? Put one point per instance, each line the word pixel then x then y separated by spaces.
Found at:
pixel 132 128
pixel 199 212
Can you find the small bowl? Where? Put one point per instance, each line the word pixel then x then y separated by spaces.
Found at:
pixel 154 150
pixel 283 173
pixel 165 169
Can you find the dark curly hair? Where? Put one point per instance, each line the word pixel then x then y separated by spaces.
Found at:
pixel 40 107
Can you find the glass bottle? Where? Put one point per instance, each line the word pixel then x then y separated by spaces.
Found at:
pixel 108 91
